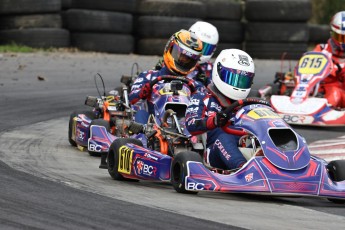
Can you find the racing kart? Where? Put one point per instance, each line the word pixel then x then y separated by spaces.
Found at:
pixel 111 111
pixel 165 130
pixel 298 99
pixel 278 161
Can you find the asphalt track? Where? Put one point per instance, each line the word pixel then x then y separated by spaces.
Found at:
pixel 47 184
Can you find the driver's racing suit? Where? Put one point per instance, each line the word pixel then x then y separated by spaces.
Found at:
pixel 333 86
pixel 222 148
pixel 146 77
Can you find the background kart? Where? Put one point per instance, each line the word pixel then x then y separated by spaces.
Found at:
pixel 165 131
pixel 279 162
pixel 298 99
pixel 111 111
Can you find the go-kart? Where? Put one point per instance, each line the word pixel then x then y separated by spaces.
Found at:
pixel 111 111
pixel 278 161
pixel 165 130
pixel 298 100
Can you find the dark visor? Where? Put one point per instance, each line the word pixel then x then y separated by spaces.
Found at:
pixel 183 58
pixel 208 49
pixel 236 78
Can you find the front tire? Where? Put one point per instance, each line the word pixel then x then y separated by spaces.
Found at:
pixel 336 171
pixel 179 170
pixel 114 156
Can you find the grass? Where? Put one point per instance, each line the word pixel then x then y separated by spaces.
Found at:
pixel 16 48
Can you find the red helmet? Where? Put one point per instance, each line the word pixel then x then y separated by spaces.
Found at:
pixel 182 52
pixel 338 30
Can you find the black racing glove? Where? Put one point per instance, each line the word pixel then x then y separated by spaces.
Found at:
pixel 202 78
pixel 221 119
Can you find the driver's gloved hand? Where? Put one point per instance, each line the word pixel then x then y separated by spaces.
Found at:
pixel 145 91
pixel 135 128
pixel 202 78
pixel 221 119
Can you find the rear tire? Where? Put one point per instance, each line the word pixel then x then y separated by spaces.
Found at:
pixel 179 170
pixel 336 171
pixel 113 156
pixel 99 122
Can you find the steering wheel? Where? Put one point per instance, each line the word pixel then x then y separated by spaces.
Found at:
pixel 171 78
pixel 239 104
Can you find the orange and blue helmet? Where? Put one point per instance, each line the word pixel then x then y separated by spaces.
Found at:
pixel 182 52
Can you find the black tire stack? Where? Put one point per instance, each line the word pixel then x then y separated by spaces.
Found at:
pixel 159 19
pixel 226 16
pixel 34 23
pixel 277 27
pixel 102 25
pixel 318 33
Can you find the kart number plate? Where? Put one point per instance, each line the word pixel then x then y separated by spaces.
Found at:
pixel 262 113
pixel 125 160
pixel 312 64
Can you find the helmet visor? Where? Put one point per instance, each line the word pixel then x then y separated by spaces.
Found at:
pixel 184 60
pixel 338 37
pixel 208 49
pixel 236 78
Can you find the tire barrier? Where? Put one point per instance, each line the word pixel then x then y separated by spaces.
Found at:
pixel 275 28
pixel 35 23
pixel 144 26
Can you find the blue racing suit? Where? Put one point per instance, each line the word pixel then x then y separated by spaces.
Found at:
pixel 146 77
pixel 221 148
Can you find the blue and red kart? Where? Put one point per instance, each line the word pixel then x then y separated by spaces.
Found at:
pixel 278 160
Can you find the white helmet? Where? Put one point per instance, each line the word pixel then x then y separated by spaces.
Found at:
pixel 338 29
pixel 233 73
pixel 208 34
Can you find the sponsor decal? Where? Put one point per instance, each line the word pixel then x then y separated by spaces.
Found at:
pixel 145 169
pixel 222 149
pixel 216 106
pixel 249 177
pixel 95 148
pixel 243 60
pixel 298 119
pixel 80 134
pixel 262 113
pixel 148 155
pixel 195 186
pixel 194 101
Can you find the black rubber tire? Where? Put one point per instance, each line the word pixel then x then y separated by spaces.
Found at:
pixel 277 32
pixel 113 156
pixel 98 21
pixel 99 122
pixel 318 33
pixel 178 8
pixel 223 9
pixel 101 42
pixel 278 11
pixel 151 46
pixel 129 6
pixel 179 170
pixel 267 50
pixel 161 26
pixel 89 114
pixel 29 6
pixel 336 171
pixel 224 27
pixel 31 21
pixel 36 37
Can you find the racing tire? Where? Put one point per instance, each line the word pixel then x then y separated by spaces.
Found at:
pixel 89 114
pixel 336 171
pixel 113 157
pixel 31 21
pixel 179 170
pixel 99 122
